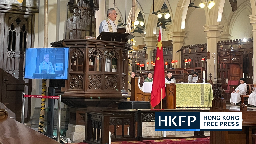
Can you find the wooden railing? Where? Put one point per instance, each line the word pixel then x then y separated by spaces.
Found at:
pixel 250 88
pixel 99 123
pixel 234 137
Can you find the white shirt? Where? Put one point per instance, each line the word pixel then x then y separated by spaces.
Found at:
pixel 171 81
pixel 242 89
pixel 104 26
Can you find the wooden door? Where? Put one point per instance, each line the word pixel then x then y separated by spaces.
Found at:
pixel 235 72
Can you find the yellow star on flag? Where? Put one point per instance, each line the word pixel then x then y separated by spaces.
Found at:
pixel 159 44
pixel 158 58
pixel 20 1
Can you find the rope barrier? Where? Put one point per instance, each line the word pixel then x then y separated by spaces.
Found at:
pixel 40 96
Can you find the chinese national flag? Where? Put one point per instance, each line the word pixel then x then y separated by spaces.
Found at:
pixel 159 75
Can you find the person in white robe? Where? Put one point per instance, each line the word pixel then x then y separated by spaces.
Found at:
pixel 109 25
pixel 169 78
pixel 240 90
pixel 252 97
pixel 193 78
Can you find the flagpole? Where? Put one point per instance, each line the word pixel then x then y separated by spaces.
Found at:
pixel 161 98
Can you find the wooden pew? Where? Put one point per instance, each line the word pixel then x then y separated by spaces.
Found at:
pixel 246 136
pixel 169 102
pixel 13 132
pixel 249 91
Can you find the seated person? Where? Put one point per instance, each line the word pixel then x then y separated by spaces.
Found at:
pixel 133 75
pixel 252 97
pixel 149 78
pixel 169 78
pixel 193 78
pixel 46 67
pixel 240 90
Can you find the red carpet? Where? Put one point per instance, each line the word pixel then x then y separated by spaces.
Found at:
pixel 165 141
pixel 169 141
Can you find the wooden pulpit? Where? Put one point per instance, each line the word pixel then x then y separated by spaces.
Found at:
pixel 169 102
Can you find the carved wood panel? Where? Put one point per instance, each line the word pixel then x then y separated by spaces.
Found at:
pixel 235 72
pixel 96 68
pixel 232 54
pixel 16 34
pixel 194 56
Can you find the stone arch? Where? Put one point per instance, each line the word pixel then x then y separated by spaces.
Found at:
pixel 138 8
pixel 119 16
pixel 220 10
pixel 245 5
pixel 225 35
pixel 182 10
pixel 195 34
pixel 214 15
pixel 253 6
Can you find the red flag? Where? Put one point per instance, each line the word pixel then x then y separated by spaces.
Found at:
pixel 159 75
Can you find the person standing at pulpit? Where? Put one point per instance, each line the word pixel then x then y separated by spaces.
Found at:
pixel 109 25
pixel 240 90
pixel 149 78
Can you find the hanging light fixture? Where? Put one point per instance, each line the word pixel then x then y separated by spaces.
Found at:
pixel 136 22
pixel 167 15
pixel 159 15
pixel 201 5
pixel 210 4
pixel 141 23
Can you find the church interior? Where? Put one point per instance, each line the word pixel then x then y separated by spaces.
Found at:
pixel 208 58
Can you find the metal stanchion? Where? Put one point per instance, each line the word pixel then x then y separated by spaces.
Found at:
pixel 23 108
pixel 59 119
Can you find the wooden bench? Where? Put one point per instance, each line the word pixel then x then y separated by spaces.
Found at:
pixel 249 91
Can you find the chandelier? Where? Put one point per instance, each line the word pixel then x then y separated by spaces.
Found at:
pixel 209 3
pixel 140 20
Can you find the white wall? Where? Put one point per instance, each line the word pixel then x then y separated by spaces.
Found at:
pixel 195 22
pixel 242 27
pixel 227 10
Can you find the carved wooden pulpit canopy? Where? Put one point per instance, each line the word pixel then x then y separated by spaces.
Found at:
pixel 98 69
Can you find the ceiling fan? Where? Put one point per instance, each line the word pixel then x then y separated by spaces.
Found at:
pixel 192 4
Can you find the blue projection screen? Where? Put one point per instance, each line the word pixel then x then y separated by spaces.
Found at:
pixel 46 63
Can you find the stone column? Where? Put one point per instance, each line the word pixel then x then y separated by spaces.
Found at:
pixel 100 15
pixel 178 41
pixel 253 23
pixel 151 43
pixel 213 36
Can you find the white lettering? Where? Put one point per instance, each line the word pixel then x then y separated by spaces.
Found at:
pixel 180 120
pixel 192 120
pixel 165 120
pixel 173 121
